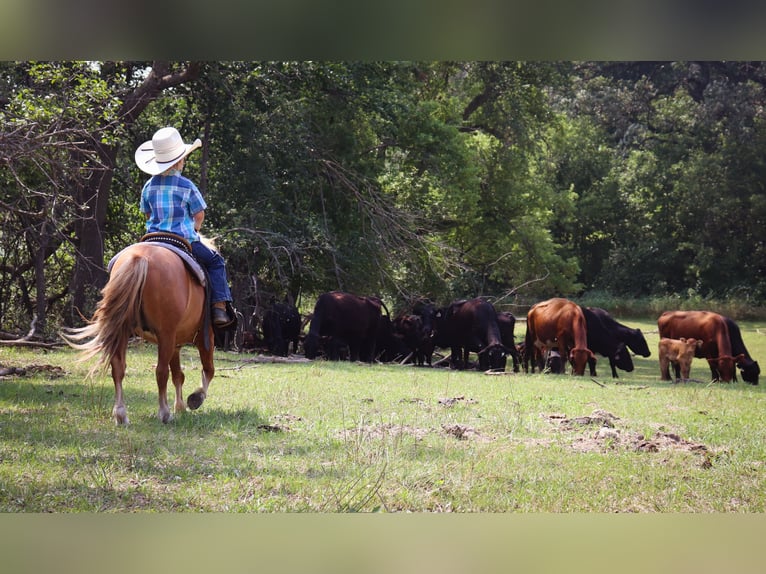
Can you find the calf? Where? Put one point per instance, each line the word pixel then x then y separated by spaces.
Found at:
pixel 281 326
pixel 506 322
pixel 411 337
pixel 679 353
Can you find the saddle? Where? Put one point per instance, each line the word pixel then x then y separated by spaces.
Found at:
pixel 177 245
pixel 182 248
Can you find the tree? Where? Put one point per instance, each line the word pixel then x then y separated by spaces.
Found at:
pixel 61 129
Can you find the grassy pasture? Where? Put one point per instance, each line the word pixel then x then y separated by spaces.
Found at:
pixel 342 437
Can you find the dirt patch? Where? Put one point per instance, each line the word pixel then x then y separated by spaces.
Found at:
pixel 465 432
pixel 607 436
pixel 598 417
pixel 282 423
pixel 452 401
pixel 54 371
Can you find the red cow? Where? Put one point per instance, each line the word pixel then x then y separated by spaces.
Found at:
pixel 559 323
pixel 679 353
pixel 712 330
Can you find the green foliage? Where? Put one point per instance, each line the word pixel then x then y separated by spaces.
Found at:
pixel 404 179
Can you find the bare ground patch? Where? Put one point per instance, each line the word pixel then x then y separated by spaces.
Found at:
pixel 54 371
pixel 600 432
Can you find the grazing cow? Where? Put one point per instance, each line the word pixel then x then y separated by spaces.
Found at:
pixel 748 367
pixel 281 326
pixel 506 322
pixel 559 323
pixel 427 313
pixel 466 326
pixel 712 329
pixel 349 318
pixel 612 339
pixel 541 358
pixel 679 353
pixel 411 337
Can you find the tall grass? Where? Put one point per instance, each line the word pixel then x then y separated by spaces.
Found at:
pixel 343 437
pixel 738 308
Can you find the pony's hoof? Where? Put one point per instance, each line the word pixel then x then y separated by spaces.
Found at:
pixel 195 400
pixel 120 417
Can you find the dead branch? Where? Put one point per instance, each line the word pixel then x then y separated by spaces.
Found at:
pixel 33 344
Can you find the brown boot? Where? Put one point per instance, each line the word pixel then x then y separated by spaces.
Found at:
pixel 220 317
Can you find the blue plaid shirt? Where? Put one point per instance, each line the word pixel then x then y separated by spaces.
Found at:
pixel 171 202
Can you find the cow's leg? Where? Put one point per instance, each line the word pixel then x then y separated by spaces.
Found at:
pixel 119 412
pixel 563 355
pixel 685 369
pixel 454 359
pixel 178 381
pixel 614 367
pixel 195 400
pixel 664 368
pixel 592 366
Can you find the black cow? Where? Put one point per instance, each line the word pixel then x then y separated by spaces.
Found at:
pixel 281 326
pixel 389 345
pixel 748 367
pixel 350 318
pixel 409 337
pixel 605 341
pixel 466 326
pixel 612 339
pixel 427 313
pixel 506 322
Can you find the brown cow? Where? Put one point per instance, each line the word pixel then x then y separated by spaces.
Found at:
pixel 712 330
pixel 559 323
pixel 679 353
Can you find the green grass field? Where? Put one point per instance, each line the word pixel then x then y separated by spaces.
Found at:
pixel 343 437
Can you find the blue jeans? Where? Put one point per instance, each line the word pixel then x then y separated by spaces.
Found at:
pixel 216 269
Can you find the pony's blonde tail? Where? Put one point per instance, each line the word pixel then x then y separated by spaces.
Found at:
pixel 117 315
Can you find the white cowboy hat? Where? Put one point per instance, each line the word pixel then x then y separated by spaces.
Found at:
pixel 162 151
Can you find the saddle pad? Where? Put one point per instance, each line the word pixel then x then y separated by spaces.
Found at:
pixel 191 263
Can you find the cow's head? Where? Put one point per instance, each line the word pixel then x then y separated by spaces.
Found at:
pixel 750 372
pixel 493 357
pixel 622 358
pixel 637 343
pixel 579 359
pixel 725 366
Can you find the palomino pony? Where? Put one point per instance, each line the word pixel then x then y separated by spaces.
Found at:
pixel 151 294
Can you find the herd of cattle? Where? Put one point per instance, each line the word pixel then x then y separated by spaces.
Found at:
pixel 559 332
